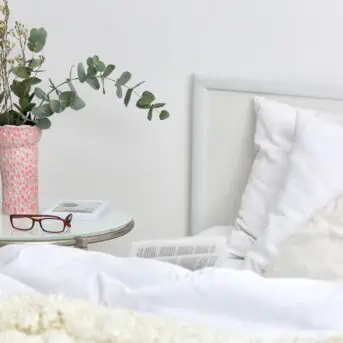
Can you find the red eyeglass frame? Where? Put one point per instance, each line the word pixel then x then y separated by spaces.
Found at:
pixel 39 218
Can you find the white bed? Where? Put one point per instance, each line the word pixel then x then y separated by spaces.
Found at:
pixel 222 155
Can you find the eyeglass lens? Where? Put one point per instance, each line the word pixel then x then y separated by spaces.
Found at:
pixel 52 225
pixel 22 223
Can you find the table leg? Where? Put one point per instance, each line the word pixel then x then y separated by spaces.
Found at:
pixel 81 243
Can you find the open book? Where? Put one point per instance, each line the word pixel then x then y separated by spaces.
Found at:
pixel 190 252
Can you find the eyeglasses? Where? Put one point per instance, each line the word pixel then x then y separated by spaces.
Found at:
pixel 48 223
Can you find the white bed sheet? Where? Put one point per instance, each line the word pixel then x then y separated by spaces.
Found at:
pixel 216 296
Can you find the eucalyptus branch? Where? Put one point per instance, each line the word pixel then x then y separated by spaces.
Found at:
pixel 54 88
pixel 26 73
pixel 125 86
pixel 133 91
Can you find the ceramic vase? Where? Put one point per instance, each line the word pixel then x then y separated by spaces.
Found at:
pixel 19 168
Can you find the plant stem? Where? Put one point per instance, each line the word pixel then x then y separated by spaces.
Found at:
pixel 62 84
pixel 133 91
pixel 4 53
pixel 55 88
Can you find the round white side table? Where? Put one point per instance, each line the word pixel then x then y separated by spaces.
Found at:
pixel 112 224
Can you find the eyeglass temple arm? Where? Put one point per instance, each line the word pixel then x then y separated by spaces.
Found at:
pixel 68 220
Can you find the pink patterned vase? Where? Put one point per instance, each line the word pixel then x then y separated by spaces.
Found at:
pixel 19 168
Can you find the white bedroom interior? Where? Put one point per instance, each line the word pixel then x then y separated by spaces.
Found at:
pixel 116 154
pixel 253 144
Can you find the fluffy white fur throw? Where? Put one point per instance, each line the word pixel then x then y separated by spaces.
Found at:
pixel 315 250
pixel 53 319
pixel 38 319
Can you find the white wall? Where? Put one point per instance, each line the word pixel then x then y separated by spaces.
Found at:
pixel 109 152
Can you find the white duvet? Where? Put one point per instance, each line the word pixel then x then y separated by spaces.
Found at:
pixel 220 298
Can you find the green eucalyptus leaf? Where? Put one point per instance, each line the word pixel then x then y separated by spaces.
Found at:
pixel 128 96
pixel 93 82
pixel 36 111
pixel 119 92
pixel 145 101
pixel 81 73
pixel 138 84
pixel 148 96
pixel 36 47
pixel 151 110
pixel 96 59
pixel 42 111
pixel 37 40
pixel 35 63
pixel 91 71
pixel 18 88
pixel 37 34
pixel 24 102
pixel 124 78
pixel 164 115
pixel 45 111
pixel 142 106
pixel 55 106
pixel 90 62
pixel 100 66
pixel 67 98
pixel 71 86
pixel 108 71
pixel 31 81
pixel 40 94
pixel 43 123
pixel 22 72
pixel 159 105
pixel 77 103
pixel 28 108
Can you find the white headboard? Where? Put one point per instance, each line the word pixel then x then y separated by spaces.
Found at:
pixel 222 139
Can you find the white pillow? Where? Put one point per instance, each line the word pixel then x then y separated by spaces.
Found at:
pixel 315 250
pixel 314 178
pixel 275 123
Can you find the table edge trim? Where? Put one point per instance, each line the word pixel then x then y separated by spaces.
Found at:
pixel 91 239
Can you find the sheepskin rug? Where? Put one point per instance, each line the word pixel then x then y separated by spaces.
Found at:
pixel 54 319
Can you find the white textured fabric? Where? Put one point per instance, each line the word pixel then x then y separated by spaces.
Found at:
pixel 42 319
pixel 315 250
pixel 222 298
pixel 275 123
pixel 314 178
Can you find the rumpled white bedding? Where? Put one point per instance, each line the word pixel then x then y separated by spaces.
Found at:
pixel 216 296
